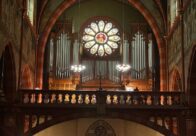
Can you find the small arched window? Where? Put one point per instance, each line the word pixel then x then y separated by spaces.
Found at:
pixel 31 10
pixel 174 7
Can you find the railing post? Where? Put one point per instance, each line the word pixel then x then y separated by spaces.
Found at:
pixel 20 122
pixel 101 102
pixel 183 100
pixel 182 125
pixel 20 96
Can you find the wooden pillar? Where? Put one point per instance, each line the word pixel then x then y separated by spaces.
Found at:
pixel 182 125
pixel 153 66
pixel 156 66
pixel 191 127
pixel 20 123
pixel 46 66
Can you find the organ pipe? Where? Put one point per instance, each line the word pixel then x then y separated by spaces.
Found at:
pixel 105 67
pixel 57 59
pixel 63 50
pixel 76 52
pixel 51 54
pixel 125 51
pixel 60 56
pixel 88 73
pixel 63 68
pixel 150 54
pixel 147 60
pixel 138 57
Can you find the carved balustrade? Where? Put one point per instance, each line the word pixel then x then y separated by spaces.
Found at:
pixel 108 98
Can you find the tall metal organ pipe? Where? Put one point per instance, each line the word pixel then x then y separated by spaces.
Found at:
pixel 138 56
pixel 62 61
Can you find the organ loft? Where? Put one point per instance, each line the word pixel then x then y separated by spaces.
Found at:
pixel 98 67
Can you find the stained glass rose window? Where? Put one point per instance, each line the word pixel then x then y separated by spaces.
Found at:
pixel 101 38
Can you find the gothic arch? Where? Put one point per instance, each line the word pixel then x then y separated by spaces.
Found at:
pixel 26 78
pixel 9 81
pixel 87 114
pixel 176 84
pixel 66 4
pixel 192 79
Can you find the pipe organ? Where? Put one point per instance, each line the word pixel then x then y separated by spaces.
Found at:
pixel 114 75
pixel 88 74
pixel 62 58
pixel 138 56
pixel 140 52
pixel 65 50
pixel 105 69
pixel 101 69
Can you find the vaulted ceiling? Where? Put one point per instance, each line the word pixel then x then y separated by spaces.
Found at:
pixel 47 8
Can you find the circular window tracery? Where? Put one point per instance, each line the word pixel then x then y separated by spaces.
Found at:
pixel 101 38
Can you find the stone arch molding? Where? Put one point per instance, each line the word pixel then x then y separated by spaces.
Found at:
pixel 87 114
pixel 66 4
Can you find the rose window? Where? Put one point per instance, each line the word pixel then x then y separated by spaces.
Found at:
pixel 101 38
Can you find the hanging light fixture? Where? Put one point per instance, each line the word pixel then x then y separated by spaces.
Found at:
pixel 123 67
pixel 78 68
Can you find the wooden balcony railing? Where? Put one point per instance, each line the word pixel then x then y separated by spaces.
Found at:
pixel 108 98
